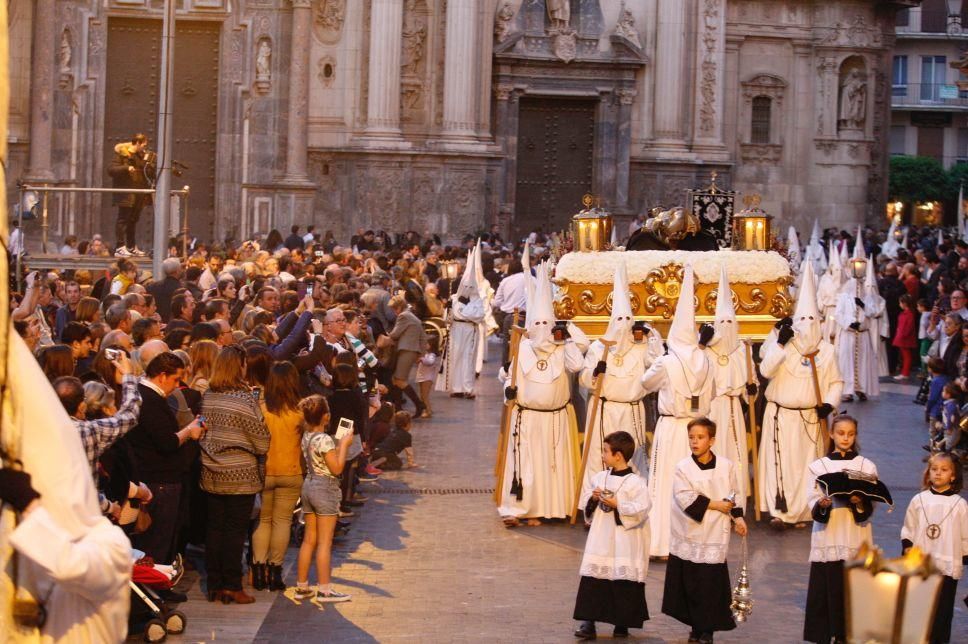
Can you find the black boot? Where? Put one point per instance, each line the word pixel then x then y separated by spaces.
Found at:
pixel 415 399
pixel 259 576
pixel 275 577
pixel 586 631
pixel 395 396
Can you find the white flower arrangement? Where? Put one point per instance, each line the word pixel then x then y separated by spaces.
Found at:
pixel 746 267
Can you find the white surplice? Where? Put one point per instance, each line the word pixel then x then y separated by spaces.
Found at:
pixel 667 375
pixel 459 366
pixel 726 411
pixel 792 437
pixel 618 552
pixel 545 453
pixel 840 537
pixel 706 541
pixel 949 512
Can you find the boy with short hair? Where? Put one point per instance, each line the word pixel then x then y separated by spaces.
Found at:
pixel 697 589
pixel 616 559
pixel 385 455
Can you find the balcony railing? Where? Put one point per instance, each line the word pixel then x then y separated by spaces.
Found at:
pixel 930 96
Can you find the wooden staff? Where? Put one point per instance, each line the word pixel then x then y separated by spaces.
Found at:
pixel 589 428
pixel 504 436
pixel 753 429
pixel 816 390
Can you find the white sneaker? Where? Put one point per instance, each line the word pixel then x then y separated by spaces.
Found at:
pixel 122 251
pixel 137 252
pixel 332 597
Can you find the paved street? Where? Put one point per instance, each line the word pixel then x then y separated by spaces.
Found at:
pixel 428 560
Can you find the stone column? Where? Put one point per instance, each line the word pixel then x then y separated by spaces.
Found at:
pixel 383 98
pixel 296 152
pixel 42 92
pixel 670 74
pixel 460 86
pixel 710 80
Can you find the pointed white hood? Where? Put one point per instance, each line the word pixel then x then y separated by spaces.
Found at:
pixel 482 284
pixel 870 281
pixel 889 247
pixel 619 328
pixel 904 240
pixel 835 268
pixel 726 339
pixel 793 246
pixel 468 279
pixel 683 339
pixel 541 310
pixel 859 252
pixel 815 233
pixel 940 237
pixel 806 316
pixel 528 279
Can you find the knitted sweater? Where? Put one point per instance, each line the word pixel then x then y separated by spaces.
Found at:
pixel 235 443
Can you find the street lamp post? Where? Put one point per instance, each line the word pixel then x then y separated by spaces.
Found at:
pixel 165 113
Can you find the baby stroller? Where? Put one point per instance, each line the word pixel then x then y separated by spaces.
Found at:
pixel 148 577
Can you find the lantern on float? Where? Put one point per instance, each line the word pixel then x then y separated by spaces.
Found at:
pixel 752 226
pixel 592 227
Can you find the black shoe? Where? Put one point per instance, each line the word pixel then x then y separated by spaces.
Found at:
pixel 586 631
pixel 705 638
pixel 172 597
pixel 259 576
pixel 274 579
pixel 861 396
pixel 620 631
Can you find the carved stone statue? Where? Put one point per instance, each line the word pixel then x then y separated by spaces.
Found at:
pixel 65 52
pixel 853 101
pixel 502 21
pixel 414 37
pixel 626 27
pixel 263 61
pixel 559 12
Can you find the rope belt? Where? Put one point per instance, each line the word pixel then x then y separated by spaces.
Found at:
pixel 543 411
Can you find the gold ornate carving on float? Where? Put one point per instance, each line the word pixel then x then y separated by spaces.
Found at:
pixel 758 306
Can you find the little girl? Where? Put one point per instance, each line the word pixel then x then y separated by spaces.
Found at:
pixel 937 522
pixel 950 417
pixel 840 526
pixel 321 495
pixel 906 337
pixel 427 369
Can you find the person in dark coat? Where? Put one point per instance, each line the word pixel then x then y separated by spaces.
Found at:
pixel 133 167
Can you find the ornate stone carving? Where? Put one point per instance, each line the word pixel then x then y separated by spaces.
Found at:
pixel 559 14
pixel 326 71
pixel 502 21
pixel 565 45
pixel 328 18
pixel 854 33
pixel 503 92
pixel 853 99
pixel 65 55
pixel 414 38
pixel 761 154
pixel 764 85
pixel 709 67
pixel 625 96
pixel 263 66
pixel 625 27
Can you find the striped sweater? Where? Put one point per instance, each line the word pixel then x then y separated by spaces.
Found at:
pixel 235 443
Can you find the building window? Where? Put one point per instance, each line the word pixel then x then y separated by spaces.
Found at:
pixel 898 140
pixel 900 75
pixel 933 71
pixel 934 16
pixel 760 120
pixel 903 18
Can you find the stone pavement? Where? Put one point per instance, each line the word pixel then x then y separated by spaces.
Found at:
pixel 428 560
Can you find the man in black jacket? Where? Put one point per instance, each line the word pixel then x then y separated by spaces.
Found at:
pixel 163 290
pixel 132 168
pixel 160 451
pixel 891 289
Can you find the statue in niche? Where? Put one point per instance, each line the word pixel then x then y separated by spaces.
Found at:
pixel 853 101
pixel 626 27
pixel 559 12
pixel 502 21
pixel 65 52
pixel 414 38
pixel 263 66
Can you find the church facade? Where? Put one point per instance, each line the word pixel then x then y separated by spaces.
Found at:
pixel 452 115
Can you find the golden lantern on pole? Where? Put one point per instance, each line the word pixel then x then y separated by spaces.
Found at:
pixel 752 226
pixel 890 600
pixel 591 227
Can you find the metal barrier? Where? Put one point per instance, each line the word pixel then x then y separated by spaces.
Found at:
pixel 45 190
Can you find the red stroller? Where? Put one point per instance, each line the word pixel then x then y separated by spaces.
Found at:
pixel 146 578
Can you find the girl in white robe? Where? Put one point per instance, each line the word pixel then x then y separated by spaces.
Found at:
pixel 616 560
pixel 937 522
pixel 840 526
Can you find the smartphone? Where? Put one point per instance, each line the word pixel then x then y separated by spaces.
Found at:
pixel 257 393
pixel 309 290
pixel 201 421
pixel 112 354
pixel 319 253
pixel 344 428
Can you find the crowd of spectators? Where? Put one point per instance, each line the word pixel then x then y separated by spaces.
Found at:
pixel 190 389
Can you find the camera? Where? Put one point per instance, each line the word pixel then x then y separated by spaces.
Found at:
pixel 319 253
pixel 112 354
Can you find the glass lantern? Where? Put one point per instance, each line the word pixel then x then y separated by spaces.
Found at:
pixel 752 226
pixel 858 267
pixel 890 600
pixel 592 227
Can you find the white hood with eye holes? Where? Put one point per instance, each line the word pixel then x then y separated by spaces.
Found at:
pixel 806 316
pixel 619 329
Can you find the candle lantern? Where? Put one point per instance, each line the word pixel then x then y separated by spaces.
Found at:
pixel 890 600
pixel 858 267
pixel 450 269
pixel 592 227
pixel 752 226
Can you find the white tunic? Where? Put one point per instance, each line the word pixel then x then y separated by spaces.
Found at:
pixel 671 442
pixel 839 538
pixel 546 450
pixel 791 437
pixel 618 552
pixel 950 513
pixel 828 290
pixel 706 541
pixel 856 350
pixel 727 412
pixel 462 341
pixel 623 393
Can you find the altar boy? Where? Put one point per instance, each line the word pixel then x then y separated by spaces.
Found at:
pixel 616 559
pixel 704 488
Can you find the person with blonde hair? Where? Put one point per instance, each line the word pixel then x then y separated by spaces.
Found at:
pixel 202 355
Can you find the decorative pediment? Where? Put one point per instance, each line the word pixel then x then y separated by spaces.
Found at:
pixel 764 85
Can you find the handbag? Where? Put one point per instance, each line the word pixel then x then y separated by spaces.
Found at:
pixel 134 517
